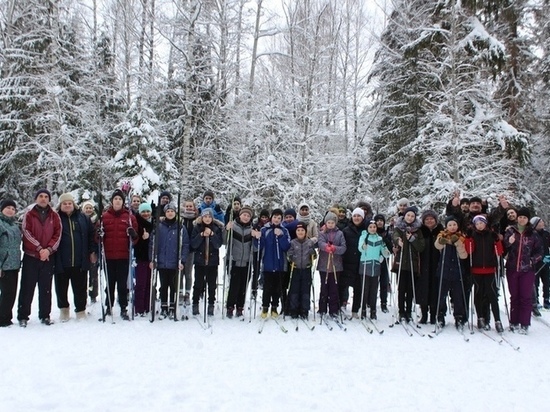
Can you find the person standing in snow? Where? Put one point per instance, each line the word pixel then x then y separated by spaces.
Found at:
pixel 541 268
pixel 351 259
pixel 304 216
pixel 241 255
pixel 524 250
pixel 383 232
pixel 332 245
pixel 273 241
pixel 168 264
pixel 119 226
pixel 77 250
pixel 10 260
pixel 206 240
pixel 189 215
pixel 88 208
pixel 409 241
pixel 41 236
pixel 142 290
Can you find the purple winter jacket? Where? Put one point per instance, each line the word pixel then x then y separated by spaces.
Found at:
pixel 525 252
pixel 336 238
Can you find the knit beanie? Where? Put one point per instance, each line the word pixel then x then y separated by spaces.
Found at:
pixel 248 210
pixel 264 213
pixel 166 193
pixel 209 193
pixel 524 211
pixel 331 216
pixel 290 212
pixel 301 225
pixel 46 191
pixel 88 202
pixel 464 200
pixel 118 193
pixel 66 197
pixel 5 203
pixel 475 199
pixel 535 221
pixel 451 218
pixel 379 217
pixel 358 211
pixel 411 209
pixel 145 207
pixel 479 218
pixel 277 212
pixel 207 211
pixel 428 213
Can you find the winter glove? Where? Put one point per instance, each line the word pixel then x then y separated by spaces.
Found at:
pixel 132 233
pixel 454 239
pixel 546 259
pixel 314 239
pixel 443 240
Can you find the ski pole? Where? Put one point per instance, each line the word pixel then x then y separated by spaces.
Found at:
pixel 363 290
pixel 288 290
pixel 179 244
pixel 463 291
pixel 314 262
pixel 398 281
pixel 413 284
pixel 437 324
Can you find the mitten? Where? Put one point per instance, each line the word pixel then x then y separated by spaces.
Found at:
pixel 454 238
pixel 132 233
pixel 442 240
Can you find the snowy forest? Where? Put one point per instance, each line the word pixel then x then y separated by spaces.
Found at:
pixel 278 101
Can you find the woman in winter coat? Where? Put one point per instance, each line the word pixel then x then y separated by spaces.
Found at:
pixel 88 208
pixel 409 240
pixel 142 289
pixel 189 215
pixel 169 259
pixel 373 252
pixel 332 246
pixel 524 249
pixel 241 258
pixel 206 240
pixel 427 287
pixel 450 272
pixel 10 260
pixel 350 261
pixel 484 246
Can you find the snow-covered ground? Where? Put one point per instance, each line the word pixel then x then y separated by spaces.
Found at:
pixel 161 366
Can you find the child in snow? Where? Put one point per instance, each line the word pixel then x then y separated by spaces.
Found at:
pixel 373 252
pixel 301 255
pixel 332 245
pixel 483 246
pixel 450 271
pixel 206 241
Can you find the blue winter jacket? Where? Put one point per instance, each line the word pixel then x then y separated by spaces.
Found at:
pixel 167 244
pixel 274 248
pixel 218 212
pixel 77 242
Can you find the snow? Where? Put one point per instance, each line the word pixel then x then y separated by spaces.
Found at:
pixel 138 365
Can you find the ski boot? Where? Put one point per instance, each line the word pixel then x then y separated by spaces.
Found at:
pixel 229 313
pixel 210 310
pixel 240 312
pixel 46 321
pixel 536 311
pixel 264 313
pixel 274 313
pixel 498 326
pixel 546 304
pixel 481 323
pixel 23 323
pixel 384 307
pixel 524 330
pixel 195 309
pixel 124 314
pixel 373 315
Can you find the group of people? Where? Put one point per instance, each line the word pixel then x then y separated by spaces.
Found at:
pixel 279 251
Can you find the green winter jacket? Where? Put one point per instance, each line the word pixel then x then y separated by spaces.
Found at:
pixel 10 243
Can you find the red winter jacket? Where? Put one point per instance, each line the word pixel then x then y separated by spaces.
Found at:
pixel 38 235
pixel 115 227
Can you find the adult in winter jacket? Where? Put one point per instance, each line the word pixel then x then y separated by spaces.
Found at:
pixel 189 216
pixel 88 208
pixel 304 216
pixel 332 245
pixel 169 259
pixel 206 240
pixel 120 234
pixel 10 260
pixel 142 289
pixel 384 233
pixel 41 236
pixel 524 250
pixel 350 260
pixel 241 258
pixel 541 268
pixel 373 252
pixel 427 287
pixel 300 255
pixel 450 271
pixel 73 258
pixel 484 248
pixel 409 241
pixel 232 211
pixel 273 242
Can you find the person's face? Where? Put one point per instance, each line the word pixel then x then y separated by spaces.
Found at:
pixel 452 226
pixel 465 207
pixel 164 200
pixel 189 207
pixel 118 202
pixel 9 211
pixel 245 218
pixel 341 214
pixel 208 200
pixel 430 222
pixel 136 201
pixel 67 207
pixel 301 233
pixel 304 211
pixel 475 207
pixel 523 220
pixel 42 200
pixel 402 206
pixel 88 210
pixel 236 205
pixel 357 220
pixel 372 228
pixel 480 225
pixel 410 217
pixel 264 219
pixel 146 214
pixel 540 225
pixel 170 214
pixel 330 224
pixel 206 219
pixel 511 215
pixel 276 219
pixel 380 223
pixel 289 218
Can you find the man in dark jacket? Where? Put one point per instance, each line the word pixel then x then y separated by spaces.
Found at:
pixel 41 236
pixel 350 258
pixel 72 260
